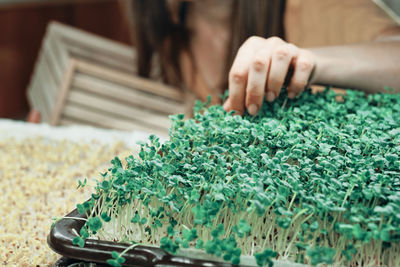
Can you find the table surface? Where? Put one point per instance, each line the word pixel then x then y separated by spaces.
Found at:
pixel 40 167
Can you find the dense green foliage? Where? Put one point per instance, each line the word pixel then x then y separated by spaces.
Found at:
pixel 310 180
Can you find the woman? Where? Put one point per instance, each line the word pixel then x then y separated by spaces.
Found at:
pixel 209 45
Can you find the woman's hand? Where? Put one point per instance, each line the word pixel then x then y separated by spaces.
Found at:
pixel 33 116
pixel 260 67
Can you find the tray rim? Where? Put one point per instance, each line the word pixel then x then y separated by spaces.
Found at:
pixel 99 251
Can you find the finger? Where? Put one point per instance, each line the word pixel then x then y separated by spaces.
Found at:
pixel 257 78
pixel 280 61
pixel 33 116
pixel 303 67
pixel 238 78
pixel 227 105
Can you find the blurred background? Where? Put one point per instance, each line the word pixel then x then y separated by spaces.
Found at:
pixel 23 25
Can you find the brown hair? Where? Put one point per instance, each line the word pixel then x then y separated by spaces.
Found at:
pixel 156 31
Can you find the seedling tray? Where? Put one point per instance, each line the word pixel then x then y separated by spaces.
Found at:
pixel 98 251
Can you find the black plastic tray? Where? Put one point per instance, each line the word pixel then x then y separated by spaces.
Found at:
pixel 60 240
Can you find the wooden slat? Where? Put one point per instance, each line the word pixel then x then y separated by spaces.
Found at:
pixel 65 121
pixel 44 85
pixel 117 108
pixel 142 84
pixel 64 88
pixel 55 59
pixel 37 97
pixel 32 93
pixel 63 42
pixel 59 30
pixel 101 57
pixel 74 111
pixel 39 81
pixel 61 48
pixel 48 81
pixel 125 94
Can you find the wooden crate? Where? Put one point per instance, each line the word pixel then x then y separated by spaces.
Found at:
pixel 81 78
pixel 103 97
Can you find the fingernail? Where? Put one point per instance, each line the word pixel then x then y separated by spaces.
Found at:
pixel 291 95
pixel 270 96
pixel 252 109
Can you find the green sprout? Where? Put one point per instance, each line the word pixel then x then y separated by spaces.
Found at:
pixel 310 180
pixel 116 260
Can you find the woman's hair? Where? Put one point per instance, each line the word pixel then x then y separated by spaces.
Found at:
pixel 158 29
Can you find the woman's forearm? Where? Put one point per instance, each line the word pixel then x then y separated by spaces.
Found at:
pixel 369 67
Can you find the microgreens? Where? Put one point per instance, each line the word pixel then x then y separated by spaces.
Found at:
pixel 311 180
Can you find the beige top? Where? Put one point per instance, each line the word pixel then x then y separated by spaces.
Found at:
pixel 311 23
